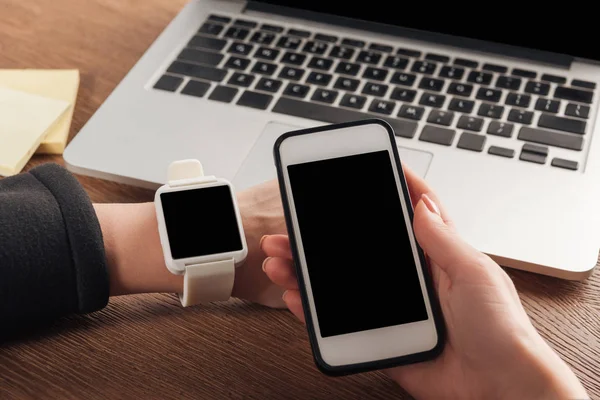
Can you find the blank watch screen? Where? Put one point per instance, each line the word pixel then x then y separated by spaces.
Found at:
pixel 358 255
pixel 200 222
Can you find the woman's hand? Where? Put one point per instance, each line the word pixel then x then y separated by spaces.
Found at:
pixel 493 350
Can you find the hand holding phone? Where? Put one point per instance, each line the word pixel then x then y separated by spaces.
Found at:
pixel 349 220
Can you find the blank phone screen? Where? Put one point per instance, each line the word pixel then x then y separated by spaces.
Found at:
pixel 358 254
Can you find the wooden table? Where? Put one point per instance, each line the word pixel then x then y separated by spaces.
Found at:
pixel 147 346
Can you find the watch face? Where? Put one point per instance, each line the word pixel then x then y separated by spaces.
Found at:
pixel 201 222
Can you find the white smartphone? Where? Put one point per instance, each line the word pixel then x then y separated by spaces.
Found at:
pixel 366 289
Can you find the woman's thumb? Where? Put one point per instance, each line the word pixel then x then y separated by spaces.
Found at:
pixel 439 240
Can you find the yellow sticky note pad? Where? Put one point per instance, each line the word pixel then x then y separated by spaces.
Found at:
pixel 55 84
pixel 25 119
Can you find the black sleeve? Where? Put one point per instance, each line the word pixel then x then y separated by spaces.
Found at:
pixel 52 260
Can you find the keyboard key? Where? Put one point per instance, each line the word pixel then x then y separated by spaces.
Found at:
pixel 411 112
pixel 271 28
pixel 326 38
pixel 487 94
pixel 196 88
pixel 537 88
pixel 375 89
pixel 207 43
pixel 266 54
pixel 298 32
pixel 432 100
pixel 577 110
pixel 518 99
pixel 566 164
pixel 433 84
pixel 508 82
pixel 268 85
pixel 557 139
pixel 424 67
pixel 368 57
pixel 376 74
pixel 562 124
pixel 440 117
pixel 289 42
pixel 553 78
pixel 452 72
pixel 490 110
pixel 293 58
pixel 547 105
pixel 498 128
pixel 466 63
pixel 208 28
pixel 381 47
pixel 520 116
pixel 534 153
pixel 396 62
pixel 347 68
pixel 483 78
pixel 401 78
pixel 240 48
pixel 237 63
pixel 408 52
pixel 382 106
pixel 261 37
pixel 294 74
pixel 437 57
pixel 320 63
pixel 324 96
pixel 168 83
pixel 464 106
pixel 583 84
pixel 245 23
pixel 315 47
pixel 240 79
pixel 501 151
pixel 342 52
pixel 255 100
pixel 329 114
pixel 523 73
pixel 470 123
pixel 197 71
pixel 471 141
pixel 219 18
pixel 223 94
pixel 296 90
pixel 236 32
pixel 319 78
pixel 347 84
pixel 495 68
pixel 405 95
pixel 461 89
pixel 438 135
pixel 353 42
pixel 353 101
pixel 578 95
pixel 264 68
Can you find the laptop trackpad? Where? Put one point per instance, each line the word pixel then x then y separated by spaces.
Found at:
pixel 259 166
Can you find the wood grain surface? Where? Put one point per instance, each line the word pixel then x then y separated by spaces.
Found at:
pixel 147 346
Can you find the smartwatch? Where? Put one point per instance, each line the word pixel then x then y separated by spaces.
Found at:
pixel 201 232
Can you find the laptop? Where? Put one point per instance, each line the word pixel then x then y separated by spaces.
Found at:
pixel 497 110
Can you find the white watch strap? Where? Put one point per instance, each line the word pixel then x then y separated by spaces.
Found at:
pixel 187 172
pixel 208 282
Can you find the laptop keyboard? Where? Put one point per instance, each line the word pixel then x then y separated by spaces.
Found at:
pixel 458 102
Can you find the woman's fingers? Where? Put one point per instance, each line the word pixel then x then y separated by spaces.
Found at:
pixel 276 246
pixel 281 272
pixel 294 303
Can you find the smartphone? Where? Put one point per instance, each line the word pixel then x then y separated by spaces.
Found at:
pixel 366 290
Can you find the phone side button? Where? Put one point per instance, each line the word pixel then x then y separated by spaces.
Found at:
pixel 334 115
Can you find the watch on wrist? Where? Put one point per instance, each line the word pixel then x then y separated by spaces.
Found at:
pixel 201 232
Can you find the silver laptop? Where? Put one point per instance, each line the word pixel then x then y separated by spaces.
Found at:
pixel 498 112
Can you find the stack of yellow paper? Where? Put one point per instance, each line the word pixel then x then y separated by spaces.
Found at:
pixel 36 109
